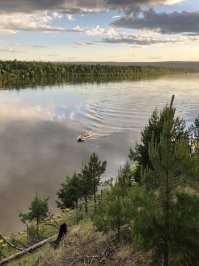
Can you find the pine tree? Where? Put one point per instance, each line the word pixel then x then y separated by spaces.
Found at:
pixel 69 193
pixel 38 211
pixel 154 129
pixel 90 178
pixel 161 198
pixel 113 211
pixel 125 175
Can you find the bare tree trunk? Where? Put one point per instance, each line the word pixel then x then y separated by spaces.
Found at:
pixel 95 198
pixel 76 204
pixel 166 255
pixel 86 204
pixel 167 221
pixel 37 228
pixel 118 228
pixel 23 252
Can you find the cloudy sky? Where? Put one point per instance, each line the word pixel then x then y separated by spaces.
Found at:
pixel 99 30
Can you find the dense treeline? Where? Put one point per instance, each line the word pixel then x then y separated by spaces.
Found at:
pixel 155 198
pixel 22 72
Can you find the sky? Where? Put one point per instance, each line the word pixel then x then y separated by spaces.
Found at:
pixel 99 30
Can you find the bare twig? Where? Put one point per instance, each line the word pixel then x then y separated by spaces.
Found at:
pixel 14 240
pixel 88 259
pixel 51 217
pixel 106 253
pixel 1 254
pixel 9 244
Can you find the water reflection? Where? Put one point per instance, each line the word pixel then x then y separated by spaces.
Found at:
pixel 38 131
pixel 75 79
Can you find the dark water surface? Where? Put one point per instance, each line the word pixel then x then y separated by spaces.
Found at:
pixel 39 128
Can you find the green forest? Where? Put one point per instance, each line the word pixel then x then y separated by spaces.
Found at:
pixel 151 205
pixel 21 73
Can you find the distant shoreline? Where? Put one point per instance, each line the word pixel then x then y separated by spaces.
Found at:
pixel 19 74
pixel 166 64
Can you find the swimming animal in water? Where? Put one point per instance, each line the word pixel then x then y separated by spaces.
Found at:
pixel 85 136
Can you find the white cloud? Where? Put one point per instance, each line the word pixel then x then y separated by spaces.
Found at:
pixel 40 22
pixel 116 17
pixel 12 50
pixel 78 28
pixel 172 2
pixel 72 116
pixel 110 32
pixel 17 22
pixel 95 31
pixel 57 15
pixel 70 17
pixel 24 111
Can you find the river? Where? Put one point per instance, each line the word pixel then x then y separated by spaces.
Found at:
pixel 39 128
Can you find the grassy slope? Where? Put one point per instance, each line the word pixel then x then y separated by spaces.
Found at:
pixel 84 246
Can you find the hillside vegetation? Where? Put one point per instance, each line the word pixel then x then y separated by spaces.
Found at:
pixel 84 246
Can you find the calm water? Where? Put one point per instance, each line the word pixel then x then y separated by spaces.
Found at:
pixel 39 128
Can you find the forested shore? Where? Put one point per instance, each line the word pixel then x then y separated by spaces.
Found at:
pixel 21 73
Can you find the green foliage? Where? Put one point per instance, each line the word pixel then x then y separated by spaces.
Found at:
pixel 144 215
pixel 90 178
pixel 149 230
pixel 194 129
pixel 125 176
pixel 154 130
pixel 113 211
pixel 160 206
pixel 78 216
pixel 82 185
pixel 32 233
pixel 91 173
pixel 115 208
pixel 69 192
pixel 38 212
pixel 184 228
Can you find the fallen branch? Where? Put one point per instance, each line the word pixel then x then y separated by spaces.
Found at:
pixel 25 251
pixel 107 251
